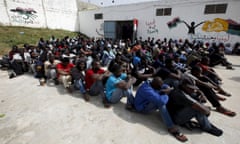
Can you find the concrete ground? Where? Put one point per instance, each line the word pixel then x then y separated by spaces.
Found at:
pixel 33 114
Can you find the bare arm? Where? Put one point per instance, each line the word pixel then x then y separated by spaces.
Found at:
pixel 126 84
pixel 62 72
pixel 201 108
pixel 101 76
pixel 177 75
pixel 199 82
pixel 186 24
pixel 144 75
pixel 199 24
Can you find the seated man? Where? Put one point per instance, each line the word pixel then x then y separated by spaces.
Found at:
pixel 208 89
pixel 63 73
pixel 50 67
pixel 94 80
pixel 217 56
pixel 107 56
pixel 169 74
pixel 142 71
pixel 119 85
pixel 78 75
pixel 208 71
pixel 16 62
pixel 182 107
pixel 151 96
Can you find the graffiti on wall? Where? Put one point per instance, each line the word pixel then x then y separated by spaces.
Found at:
pixel 219 37
pixel 99 31
pixel 151 27
pixel 24 16
pixel 173 23
pixel 191 27
pixel 218 25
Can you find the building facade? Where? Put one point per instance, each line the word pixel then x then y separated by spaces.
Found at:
pixel 204 20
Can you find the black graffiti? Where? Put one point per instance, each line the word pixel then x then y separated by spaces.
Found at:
pixel 25 16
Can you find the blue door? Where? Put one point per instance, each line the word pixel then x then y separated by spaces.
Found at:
pixel 110 29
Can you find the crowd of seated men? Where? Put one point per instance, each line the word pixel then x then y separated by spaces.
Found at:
pixel 175 77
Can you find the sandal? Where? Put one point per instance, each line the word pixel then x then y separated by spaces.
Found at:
pixel 226 112
pixel 178 135
pixel 190 125
pixel 130 107
pixel 106 103
pixel 224 93
pixel 86 97
pixel 221 98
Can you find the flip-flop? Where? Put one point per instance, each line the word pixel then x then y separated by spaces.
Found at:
pixel 221 98
pixel 226 112
pixel 178 135
pixel 190 125
pixel 224 93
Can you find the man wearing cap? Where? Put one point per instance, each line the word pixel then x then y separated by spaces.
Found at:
pixel 182 107
pixel 152 95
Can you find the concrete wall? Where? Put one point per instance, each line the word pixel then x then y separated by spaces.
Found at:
pixel 54 14
pixel 150 25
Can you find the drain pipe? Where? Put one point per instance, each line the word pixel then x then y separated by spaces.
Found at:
pixel 6 7
pixel 44 13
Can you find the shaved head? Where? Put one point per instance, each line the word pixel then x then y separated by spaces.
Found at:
pixel 157 82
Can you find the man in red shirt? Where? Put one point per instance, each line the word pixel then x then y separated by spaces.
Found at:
pixel 208 71
pixel 63 73
pixel 94 80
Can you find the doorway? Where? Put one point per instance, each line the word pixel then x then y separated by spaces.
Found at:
pixel 119 30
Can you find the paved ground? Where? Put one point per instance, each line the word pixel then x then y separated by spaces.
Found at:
pixel 33 114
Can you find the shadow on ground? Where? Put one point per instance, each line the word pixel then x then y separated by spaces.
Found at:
pixel 152 120
pixel 237 79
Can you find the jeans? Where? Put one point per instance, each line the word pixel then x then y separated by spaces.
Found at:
pixel 211 96
pixel 163 112
pixel 119 93
pixel 80 86
pixel 96 89
pixel 188 113
pixel 106 59
pixel 51 73
pixel 172 82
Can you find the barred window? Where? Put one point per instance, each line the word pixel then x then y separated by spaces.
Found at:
pixel 98 16
pixel 164 12
pixel 215 9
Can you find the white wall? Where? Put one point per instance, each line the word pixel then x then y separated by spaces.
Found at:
pixel 54 14
pixel 62 14
pixel 4 19
pixel 150 25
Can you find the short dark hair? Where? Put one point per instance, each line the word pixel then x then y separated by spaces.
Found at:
pixel 196 69
pixel 187 81
pixel 65 59
pixel 116 68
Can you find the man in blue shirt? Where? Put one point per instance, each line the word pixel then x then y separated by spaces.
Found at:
pixel 119 85
pixel 152 95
